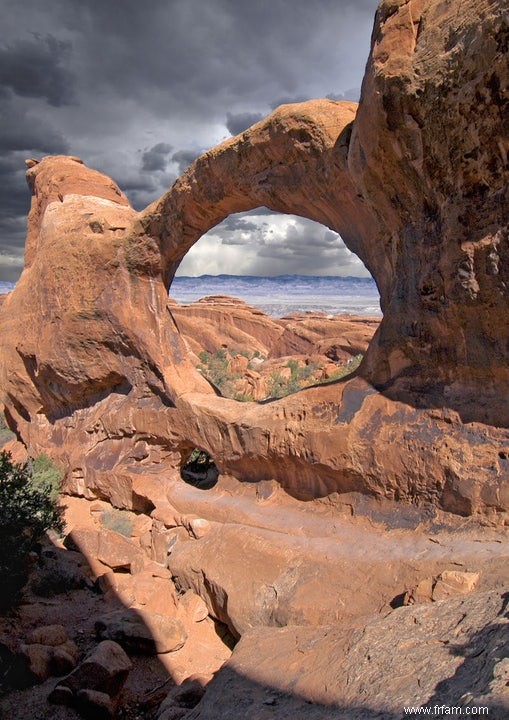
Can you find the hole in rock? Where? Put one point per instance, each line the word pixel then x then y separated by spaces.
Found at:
pixel 319 305
pixel 199 470
pixel 398 601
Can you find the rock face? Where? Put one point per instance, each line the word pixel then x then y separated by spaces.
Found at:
pixel 356 674
pixel 219 321
pixel 250 355
pixel 93 368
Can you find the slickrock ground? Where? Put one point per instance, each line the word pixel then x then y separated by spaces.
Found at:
pixel 324 628
pixel 339 502
pixel 449 657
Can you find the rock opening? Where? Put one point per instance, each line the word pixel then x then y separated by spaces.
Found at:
pixel 199 470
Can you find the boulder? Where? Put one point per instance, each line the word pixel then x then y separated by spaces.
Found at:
pixel 155 594
pixel 454 582
pixel 447 584
pixel 64 658
pixel 140 631
pixel 53 655
pixel 115 550
pixel 33 663
pixel 181 697
pixel 85 540
pixel 49 635
pixel 104 670
pixel 95 705
pixel 195 609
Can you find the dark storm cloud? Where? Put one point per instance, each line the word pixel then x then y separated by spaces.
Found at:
pixel 184 158
pixel 11 253
pixel 22 135
pixel 305 247
pixel 156 158
pixel 287 100
pixel 237 123
pixel 352 95
pixel 211 57
pixel 142 189
pixel 100 81
pixel 278 244
pixel 28 132
pixel 303 238
pixel 237 222
pixel 36 68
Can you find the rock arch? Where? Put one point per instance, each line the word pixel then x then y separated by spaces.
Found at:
pixel 414 180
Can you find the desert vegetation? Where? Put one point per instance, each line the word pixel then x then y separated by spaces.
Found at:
pixel 5 433
pixel 118 520
pixel 229 371
pixel 28 509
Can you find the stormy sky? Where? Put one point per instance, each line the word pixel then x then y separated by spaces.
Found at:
pixel 138 90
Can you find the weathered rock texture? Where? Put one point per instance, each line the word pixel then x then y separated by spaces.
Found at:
pixel 93 368
pixel 358 674
pixel 258 351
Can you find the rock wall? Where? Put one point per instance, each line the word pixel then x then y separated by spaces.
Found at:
pixel 94 371
pixel 429 155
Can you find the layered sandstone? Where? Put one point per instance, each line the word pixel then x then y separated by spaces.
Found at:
pixel 247 354
pixel 95 371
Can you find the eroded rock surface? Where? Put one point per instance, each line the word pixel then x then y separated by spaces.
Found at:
pixel 95 372
pixel 357 674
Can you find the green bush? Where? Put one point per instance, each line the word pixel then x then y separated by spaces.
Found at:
pixel 346 369
pixel 27 511
pixel 280 386
pixel 5 433
pixel 46 474
pixel 214 367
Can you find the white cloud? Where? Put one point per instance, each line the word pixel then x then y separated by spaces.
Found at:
pixel 272 245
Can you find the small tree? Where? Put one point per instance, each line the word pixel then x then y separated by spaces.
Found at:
pixel 27 511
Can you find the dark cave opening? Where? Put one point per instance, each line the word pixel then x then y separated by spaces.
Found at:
pixel 199 469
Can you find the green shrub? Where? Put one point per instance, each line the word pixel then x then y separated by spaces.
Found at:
pixel 5 433
pixel 46 474
pixel 280 386
pixel 214 367
pixel 27 511
pixel 119 521
pixel 243 397
pixel 346 369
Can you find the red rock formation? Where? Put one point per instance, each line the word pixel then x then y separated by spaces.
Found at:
pixel 94 370
pixel 429 156
pixel 373 671
pixel 258 348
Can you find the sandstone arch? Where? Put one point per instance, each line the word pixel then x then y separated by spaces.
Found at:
pixel 415 183
pixel 292 162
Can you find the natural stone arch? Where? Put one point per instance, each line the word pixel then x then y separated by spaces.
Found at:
pixel 292 162
pixel 96 373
